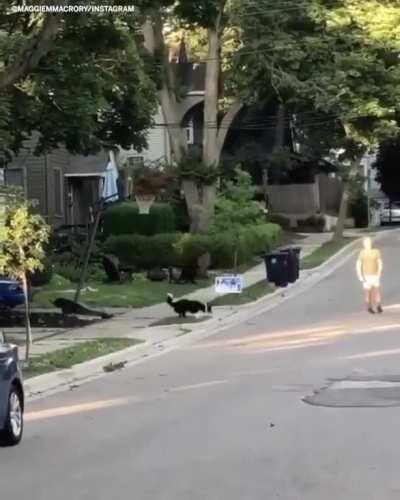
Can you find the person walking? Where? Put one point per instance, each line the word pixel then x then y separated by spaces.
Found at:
pixel 369 271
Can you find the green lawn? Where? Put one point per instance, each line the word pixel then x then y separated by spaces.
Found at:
pixel 79 353
pixel 249 294
pixel 324 252
pixel 137 293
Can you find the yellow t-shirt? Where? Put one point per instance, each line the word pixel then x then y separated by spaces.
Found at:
pixel 370 262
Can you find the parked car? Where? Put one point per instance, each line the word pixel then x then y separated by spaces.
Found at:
pixel 390 212
pixel 11 293
pixel 11 396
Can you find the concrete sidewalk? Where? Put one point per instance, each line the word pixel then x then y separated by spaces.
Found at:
pixel 139 323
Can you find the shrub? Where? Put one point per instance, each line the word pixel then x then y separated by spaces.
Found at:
pixel 248 242
pixel 315 223
pixel 192 246
pixel 125 219
pixel 143 252
pixel 281 220
pixel 42 277
pixel 235 205
pixel 72 272
pixel 69 271
pixel 146 252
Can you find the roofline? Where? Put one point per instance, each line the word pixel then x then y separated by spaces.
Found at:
pixel 92 174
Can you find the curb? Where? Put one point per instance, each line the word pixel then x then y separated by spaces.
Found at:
pixel 69 379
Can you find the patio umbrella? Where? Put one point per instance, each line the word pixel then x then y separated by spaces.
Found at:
pixel 110 187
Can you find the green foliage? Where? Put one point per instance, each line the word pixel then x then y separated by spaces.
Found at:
pixel 192 246
pixel 196 170
pixel 125 219
pixel 93 66
pixel 24 238
pixel 43 276
pixel 246 244
pixel 339 60
pixel 68 271
pixel 143 252
pixel 72 272
pixel 281 220
pixel 235 205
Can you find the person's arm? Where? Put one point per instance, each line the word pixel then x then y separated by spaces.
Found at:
pixel 359 269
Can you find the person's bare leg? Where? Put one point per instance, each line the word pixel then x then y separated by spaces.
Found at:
pixel 378 299
pixel 368 300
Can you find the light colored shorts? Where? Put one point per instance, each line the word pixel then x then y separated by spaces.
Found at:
pixel 371 281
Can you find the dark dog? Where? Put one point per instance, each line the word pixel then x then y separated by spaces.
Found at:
pixel 184 306
pixel 69 307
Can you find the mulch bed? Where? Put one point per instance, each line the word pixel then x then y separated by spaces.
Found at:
pixel 10 319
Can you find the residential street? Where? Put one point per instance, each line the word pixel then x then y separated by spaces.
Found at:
pixel 225 419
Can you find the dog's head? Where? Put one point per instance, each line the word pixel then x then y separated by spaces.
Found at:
pixel 209 308
pixel 170 298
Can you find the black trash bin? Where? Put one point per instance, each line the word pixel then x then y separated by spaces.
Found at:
pixel 294 262
pixel 277 267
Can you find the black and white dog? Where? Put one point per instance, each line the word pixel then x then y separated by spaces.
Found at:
pixel 184 306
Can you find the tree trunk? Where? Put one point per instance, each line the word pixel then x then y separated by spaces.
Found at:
pixel 200 201
pixel 344 203
pixel 154 42
pixel 89 249
pixel 210 142
pixel 28 337
pixel 279 140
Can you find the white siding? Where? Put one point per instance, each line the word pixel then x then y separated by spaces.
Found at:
pixel 158 143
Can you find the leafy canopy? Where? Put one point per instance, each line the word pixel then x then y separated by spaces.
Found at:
pixel 92 89
pixel 338 58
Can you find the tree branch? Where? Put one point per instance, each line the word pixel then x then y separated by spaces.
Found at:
pixel 35 50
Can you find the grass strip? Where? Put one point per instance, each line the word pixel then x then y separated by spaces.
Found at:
pixel 79 353
pixel 325 252
pixel 248 295
pixel 135 294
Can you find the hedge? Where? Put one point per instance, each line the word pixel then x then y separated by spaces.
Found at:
pixel 145 252
pixel 124 219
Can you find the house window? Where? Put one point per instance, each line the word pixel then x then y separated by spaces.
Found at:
pixel 135 161
pixel 15 177
pixel 190 132
pixel 58 192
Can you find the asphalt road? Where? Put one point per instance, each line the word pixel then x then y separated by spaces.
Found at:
pixel 225 418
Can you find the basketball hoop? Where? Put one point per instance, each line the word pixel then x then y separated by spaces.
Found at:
pixel 144 202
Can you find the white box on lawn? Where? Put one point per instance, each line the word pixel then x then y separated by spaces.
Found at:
pixel 229 283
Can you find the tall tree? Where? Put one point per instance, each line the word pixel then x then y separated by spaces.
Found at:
pixel 22 241
pixel 80 82
pixel 199 178
pixel 330 57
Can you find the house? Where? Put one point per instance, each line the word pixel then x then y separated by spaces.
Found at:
pixel 65 188
pixel 62 187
